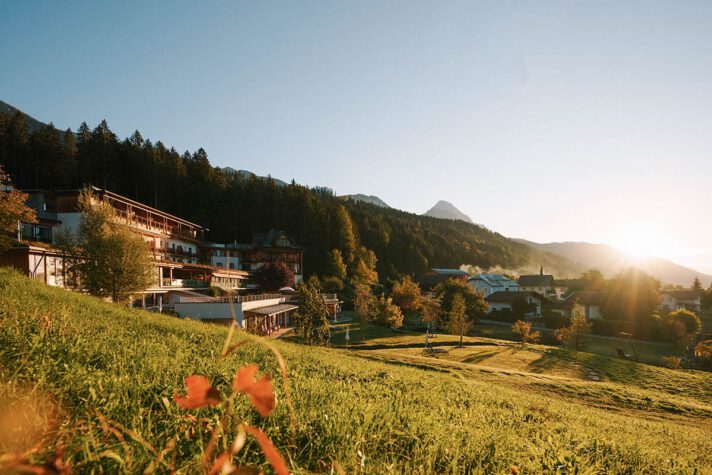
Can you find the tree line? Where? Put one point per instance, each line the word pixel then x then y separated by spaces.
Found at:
pixel 233 206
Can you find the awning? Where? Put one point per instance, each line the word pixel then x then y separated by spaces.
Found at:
pixel 272 309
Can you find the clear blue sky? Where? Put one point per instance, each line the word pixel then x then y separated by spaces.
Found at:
pixel 544 120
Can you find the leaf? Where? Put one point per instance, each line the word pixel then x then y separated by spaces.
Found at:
pixel 268 448
pixel 200 393
pixel 260 392
pixel 223 464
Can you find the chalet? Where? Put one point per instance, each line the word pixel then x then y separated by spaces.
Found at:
pixel 488 284
pixel 672 300
pixel 433 277
pixel 591 301
pixel 503 300
pixel 542 284
pixel 269 247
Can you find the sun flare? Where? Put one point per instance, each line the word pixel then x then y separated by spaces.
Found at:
pixel 639 242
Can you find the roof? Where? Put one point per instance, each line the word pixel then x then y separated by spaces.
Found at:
pixel 570 282
pixel 503 296
pixel 584 297
pixel 683 294
pixel 272 309
pixel 494 280
pixel 118 197
pixel 269 238
pixel 456 272
pixel 536 280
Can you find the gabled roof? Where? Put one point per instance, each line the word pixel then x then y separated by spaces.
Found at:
pixel 494 280
pixel 269 238
pixel 683 294
pixel 503 296
pixel 536 280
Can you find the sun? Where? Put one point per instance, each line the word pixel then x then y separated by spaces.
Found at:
pixel 639 242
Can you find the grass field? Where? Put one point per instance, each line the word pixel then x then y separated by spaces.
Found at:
pixel 381 406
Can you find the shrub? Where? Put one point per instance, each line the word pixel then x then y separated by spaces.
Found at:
pixel 503 315
pixel 523 331
pixel 703 352
pixel 555 321
pixel 689 319
pixel 672 362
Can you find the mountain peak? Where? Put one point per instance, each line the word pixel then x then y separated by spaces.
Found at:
pixel 446 210
pixel 374 200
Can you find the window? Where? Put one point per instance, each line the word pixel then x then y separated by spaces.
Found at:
pixel 232 265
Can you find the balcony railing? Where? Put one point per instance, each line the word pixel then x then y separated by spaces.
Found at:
pixel 185 283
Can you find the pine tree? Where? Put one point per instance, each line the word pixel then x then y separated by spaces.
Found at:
pixel 697 284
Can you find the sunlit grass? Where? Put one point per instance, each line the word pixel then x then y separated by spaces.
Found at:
pixel 380 410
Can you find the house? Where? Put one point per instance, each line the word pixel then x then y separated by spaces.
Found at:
pixel 566 286
pixel 272 246
pixel 591 301
pixel 542 284
pixel 503 300
pixel 672 300
pixel 433 277
pixel 488 284
pixel 173 243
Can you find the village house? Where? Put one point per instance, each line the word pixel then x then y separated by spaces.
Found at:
pixel 488 284
pixel 591 301
pixel 504 300
pixel 671 300
pixel 542 284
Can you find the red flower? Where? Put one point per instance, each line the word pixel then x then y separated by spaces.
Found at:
pixel 200 393
pixel 260 392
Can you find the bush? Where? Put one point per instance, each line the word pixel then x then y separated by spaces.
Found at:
pixel 556 321
pixel 689 319
pixel 672 362
pixel 503 315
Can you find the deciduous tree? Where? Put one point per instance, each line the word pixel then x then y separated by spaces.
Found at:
pixel 12 211
pixel 107 258
pixel 523 331
pixel 273 276
pixel 458 322
pixel 387 314
pixel 311 319
pixel 406 294
pixel 575 334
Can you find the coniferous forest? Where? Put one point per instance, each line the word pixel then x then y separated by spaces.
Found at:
pixel 233 206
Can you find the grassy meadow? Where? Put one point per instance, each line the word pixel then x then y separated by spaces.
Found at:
pixel 97 381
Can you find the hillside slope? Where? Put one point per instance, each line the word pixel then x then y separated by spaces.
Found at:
pixel 374 200
pixel 32 123
pixel 110 374
pixel 234 204
pixel 610 261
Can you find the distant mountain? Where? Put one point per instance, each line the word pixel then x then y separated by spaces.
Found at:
pixel 610 261
pixel 32 123
pixel 248 174
pixel 374 200
pixel 446 210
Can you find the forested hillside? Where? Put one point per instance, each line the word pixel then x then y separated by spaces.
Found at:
pixel 234 206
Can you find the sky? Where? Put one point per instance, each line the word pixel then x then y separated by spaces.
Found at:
pixel 545 120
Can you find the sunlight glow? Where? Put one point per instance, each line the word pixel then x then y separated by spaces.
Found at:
pixel 639 242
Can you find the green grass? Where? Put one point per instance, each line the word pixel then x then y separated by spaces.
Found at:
pixel 380 407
